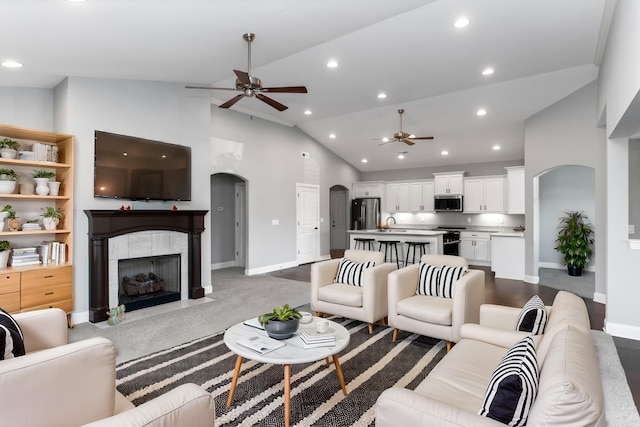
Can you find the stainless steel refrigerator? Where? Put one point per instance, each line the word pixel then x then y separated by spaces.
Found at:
pixel 365 213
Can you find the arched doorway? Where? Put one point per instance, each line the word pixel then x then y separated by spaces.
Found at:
pixel 339 219
pixel 228 221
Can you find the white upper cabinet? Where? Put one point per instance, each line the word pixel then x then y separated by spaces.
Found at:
pixel 368 189
pixel 449 182
pixel 515 190
pixel 484 195
pixel 397 197
pixel 421 196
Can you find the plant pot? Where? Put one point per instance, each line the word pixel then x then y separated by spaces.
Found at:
pixel 281 330
pixel 7 187
pixel 50 223
pixel 4 259
pixel 574 270
pixel 42 188
pixel 54 187
pixel 8 153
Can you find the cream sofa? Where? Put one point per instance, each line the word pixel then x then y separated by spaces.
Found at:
pixel 569 393
pixel 58 384
pixel 367 303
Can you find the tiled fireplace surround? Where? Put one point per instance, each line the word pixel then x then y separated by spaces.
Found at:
pixel 115 235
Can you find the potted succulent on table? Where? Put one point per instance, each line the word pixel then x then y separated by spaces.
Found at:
pixel 42 177
pixel 51 217
pixel 9 148
pixel 5 250
pixel 574 241
pixel 8 181
pixel 281 323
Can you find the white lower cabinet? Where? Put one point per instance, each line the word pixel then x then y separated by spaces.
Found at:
pixel 475 246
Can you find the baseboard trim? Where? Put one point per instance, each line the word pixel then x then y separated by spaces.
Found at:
pixel 221 265
pixel 556 266
pixel 270 268
pixel 534 280
pixel 79 317
pixel 622 331
pixel 599 297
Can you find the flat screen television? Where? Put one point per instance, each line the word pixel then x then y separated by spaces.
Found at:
pixel 132 168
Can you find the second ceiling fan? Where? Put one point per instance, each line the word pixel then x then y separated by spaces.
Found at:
pixel 405 137
pixel 252 86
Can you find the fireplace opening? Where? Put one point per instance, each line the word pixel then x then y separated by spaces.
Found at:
pixel 149 281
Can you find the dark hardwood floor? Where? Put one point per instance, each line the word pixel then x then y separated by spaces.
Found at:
pixel 516 293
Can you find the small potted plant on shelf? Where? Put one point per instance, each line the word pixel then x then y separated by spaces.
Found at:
pixel 42 177
pixel 8 181
pixel 281 323
pixel 5 249
pixel 574 241
pixel 9 148
pixel 51 217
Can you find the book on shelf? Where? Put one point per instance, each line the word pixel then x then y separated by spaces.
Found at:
pixel 45 152
pixel 24 250
pixel 260 344
pixel 51 251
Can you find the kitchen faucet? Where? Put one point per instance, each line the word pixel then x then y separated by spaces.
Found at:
pixel 394 221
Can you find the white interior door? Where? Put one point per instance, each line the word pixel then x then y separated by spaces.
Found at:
pixel 308 223
pixel 338 213
pixel 241 229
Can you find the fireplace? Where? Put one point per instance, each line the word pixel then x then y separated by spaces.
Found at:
pixel 116 235
pixel 148 281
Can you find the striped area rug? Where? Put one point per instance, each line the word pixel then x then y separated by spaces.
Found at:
pixel 370 364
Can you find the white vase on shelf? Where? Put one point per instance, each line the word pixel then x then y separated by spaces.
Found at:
pixel 54 187
pixel 42 188
pixel 50 223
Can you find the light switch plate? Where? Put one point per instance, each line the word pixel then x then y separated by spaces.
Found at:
pixel 632 229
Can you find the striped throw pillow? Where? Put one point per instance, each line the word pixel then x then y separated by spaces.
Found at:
pixel 350 272
pixel 438 281
pixel 11 338
pixel 513 386
pixel 532 317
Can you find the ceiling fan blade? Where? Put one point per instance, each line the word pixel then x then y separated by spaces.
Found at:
pixel 243 77
pixel 275 104
pixel 421 137
pixel 285 89
pixel 386 142
pixel 232 101
pixel 406 141
pixel 209 87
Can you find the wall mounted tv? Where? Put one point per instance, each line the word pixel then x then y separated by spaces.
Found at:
pixel 133 168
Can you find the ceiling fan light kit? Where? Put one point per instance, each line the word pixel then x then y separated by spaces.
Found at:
pixel 251 86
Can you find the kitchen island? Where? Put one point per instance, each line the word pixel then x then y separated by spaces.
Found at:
pixel 433 237
pixel 507 255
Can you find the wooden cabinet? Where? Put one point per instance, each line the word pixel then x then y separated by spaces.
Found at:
pixel 32 284
pixel 449 183
pixel 475 246
pixel 515 190
pixel 397 197
pixel 368 189
pixel 484 195
pixel 421 196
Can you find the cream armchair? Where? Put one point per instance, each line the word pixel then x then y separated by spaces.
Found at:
pixel 367 303
pixel 59 384
pixel 432 316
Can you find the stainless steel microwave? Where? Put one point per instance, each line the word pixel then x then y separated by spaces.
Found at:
pixel 448 203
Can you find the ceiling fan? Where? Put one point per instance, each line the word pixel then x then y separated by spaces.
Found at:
pixel 252 86
pixel 401 136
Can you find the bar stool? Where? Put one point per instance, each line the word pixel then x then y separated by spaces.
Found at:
pixel 389 247
pixel 363 243
pixel 422 246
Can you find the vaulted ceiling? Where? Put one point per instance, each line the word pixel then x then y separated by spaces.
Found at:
pixel 540 50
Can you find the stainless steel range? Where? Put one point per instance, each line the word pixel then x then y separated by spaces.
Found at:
pixel 451 239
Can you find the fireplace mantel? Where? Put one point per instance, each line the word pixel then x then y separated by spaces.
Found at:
pixel 104 224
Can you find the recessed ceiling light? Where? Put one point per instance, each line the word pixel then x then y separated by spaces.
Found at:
pixel 332 64
pixel 364 160
pixel 482 112
pixel 11 64
pixel 125 154
pixel 487 71
pixel 332 136
pixel 77 1
pixel 307 112
pixel 164 156
pixel 382 95
pixel 461 22
pixel 401 154
pixel 445 153
pixel 496 147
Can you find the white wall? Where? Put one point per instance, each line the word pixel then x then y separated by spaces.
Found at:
pixel 27 107
pixel 159 111
pixel 269 157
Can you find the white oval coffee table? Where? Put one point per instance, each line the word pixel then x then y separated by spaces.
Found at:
pixel 292 353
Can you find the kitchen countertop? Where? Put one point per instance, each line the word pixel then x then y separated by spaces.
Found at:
pixel 508 234
pixel 400 232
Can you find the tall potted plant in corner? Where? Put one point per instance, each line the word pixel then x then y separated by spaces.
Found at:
pixel 574 241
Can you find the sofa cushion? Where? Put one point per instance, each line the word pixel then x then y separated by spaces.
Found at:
pixel 350 272
pixel 438 281
pixel 339 293
pixel 11 338
pixel 532 317
pixel 513 386
pixel 435 310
